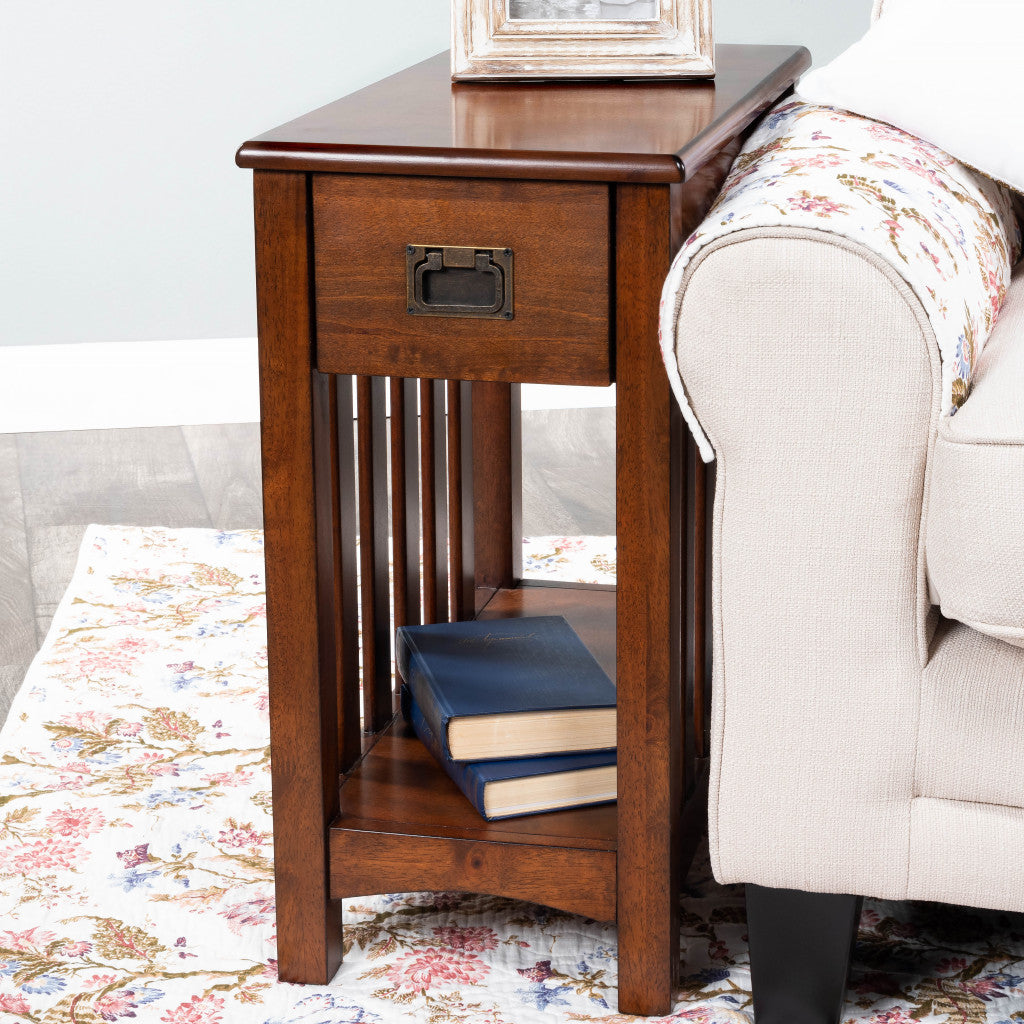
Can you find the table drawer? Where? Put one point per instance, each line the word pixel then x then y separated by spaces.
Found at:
pixel 370 236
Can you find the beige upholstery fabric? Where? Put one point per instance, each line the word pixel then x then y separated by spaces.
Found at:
pixel 967 853
pixel 819 599
pixel 852 750
pixel 975 532
pixel 972 720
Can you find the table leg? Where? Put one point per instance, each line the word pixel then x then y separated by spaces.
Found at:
pixel 649 527
pixel 300 532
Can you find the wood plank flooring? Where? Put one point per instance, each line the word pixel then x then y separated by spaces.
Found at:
pixel 54 484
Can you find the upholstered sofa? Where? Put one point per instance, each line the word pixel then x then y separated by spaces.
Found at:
pixel 868 595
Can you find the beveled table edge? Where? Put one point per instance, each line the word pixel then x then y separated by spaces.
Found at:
pixel 638 168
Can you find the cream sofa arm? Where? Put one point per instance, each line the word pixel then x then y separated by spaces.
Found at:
pixel 815 373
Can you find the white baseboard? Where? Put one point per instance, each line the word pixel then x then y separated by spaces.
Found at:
pixel 128 384
pixel 163 383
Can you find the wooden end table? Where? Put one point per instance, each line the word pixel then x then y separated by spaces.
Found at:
pixel 433 245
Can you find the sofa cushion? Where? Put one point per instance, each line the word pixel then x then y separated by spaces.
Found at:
pixel 975 523
pixel 944 70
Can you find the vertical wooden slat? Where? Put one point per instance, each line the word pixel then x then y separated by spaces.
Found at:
pixel 405 507
pixel 347 575
pixel 303 694
pixel 373 543
pixel 460 499
pixel 433 479
pixel 429 500
pixel 497 486
pixel 649 720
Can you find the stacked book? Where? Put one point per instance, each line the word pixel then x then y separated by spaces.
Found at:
pixel 516 711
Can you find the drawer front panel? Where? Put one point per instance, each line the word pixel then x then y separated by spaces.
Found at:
pixel 558 329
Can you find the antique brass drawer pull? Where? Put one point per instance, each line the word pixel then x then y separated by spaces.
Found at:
pixel 458 280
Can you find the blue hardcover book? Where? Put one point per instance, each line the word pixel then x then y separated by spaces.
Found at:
pixel 526 785
pixel 507 687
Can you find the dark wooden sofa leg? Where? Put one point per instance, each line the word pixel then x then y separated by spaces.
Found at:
pixel 800 948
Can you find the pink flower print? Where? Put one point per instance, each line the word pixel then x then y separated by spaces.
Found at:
pixel 250 914
pixel 894 226
pixel 238 778
pixel 470 940
pixel 73 949
pixel 165 768
pixel 198 1010
pixel 696 1015
pixel 116 1004
pixel 87 721
pixel 242 837
pixel 42 855
pixel 129 729
pixel 820 161
pixel 76 822
pixel 983 987
pixel 821 206
pixel 894 1016
pixel 28 941
pixel 99 981
pixel 99 662
pixel 951 965
pixel 136 645
pixel 436 968
pixel 69 782
pixel 14 1002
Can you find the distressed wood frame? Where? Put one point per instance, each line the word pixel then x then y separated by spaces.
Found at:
pixel 487 43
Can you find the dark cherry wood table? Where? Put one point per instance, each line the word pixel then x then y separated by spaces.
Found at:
pixel 539 220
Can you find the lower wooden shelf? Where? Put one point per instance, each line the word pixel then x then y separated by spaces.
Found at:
pixel 405 826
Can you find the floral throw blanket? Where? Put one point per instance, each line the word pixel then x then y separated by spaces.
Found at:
pixel 950 233
pixel 136 860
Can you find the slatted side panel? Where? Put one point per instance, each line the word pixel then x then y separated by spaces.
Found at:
pixel 404 526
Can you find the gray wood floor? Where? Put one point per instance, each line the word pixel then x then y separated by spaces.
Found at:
pixel 53 485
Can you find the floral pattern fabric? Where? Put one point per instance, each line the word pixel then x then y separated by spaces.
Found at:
pixel 136 855
pixel 949 232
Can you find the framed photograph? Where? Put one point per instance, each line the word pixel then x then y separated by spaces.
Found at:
pixel 581 39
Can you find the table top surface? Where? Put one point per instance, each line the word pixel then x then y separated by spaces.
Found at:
pixel 420 122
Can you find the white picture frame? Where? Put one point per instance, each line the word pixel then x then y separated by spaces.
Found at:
pixel 493 39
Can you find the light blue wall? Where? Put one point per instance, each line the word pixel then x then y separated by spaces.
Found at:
pixel 122 215
pixel 825 27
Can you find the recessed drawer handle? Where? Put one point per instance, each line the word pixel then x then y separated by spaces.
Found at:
pixel 458 280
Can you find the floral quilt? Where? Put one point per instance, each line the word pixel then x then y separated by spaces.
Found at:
pixel 949 232
pixel 136 856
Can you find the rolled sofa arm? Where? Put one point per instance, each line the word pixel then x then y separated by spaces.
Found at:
pixel 815 374
pixel 816 326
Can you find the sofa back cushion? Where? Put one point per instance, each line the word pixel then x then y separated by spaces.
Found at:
pixel 947 71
